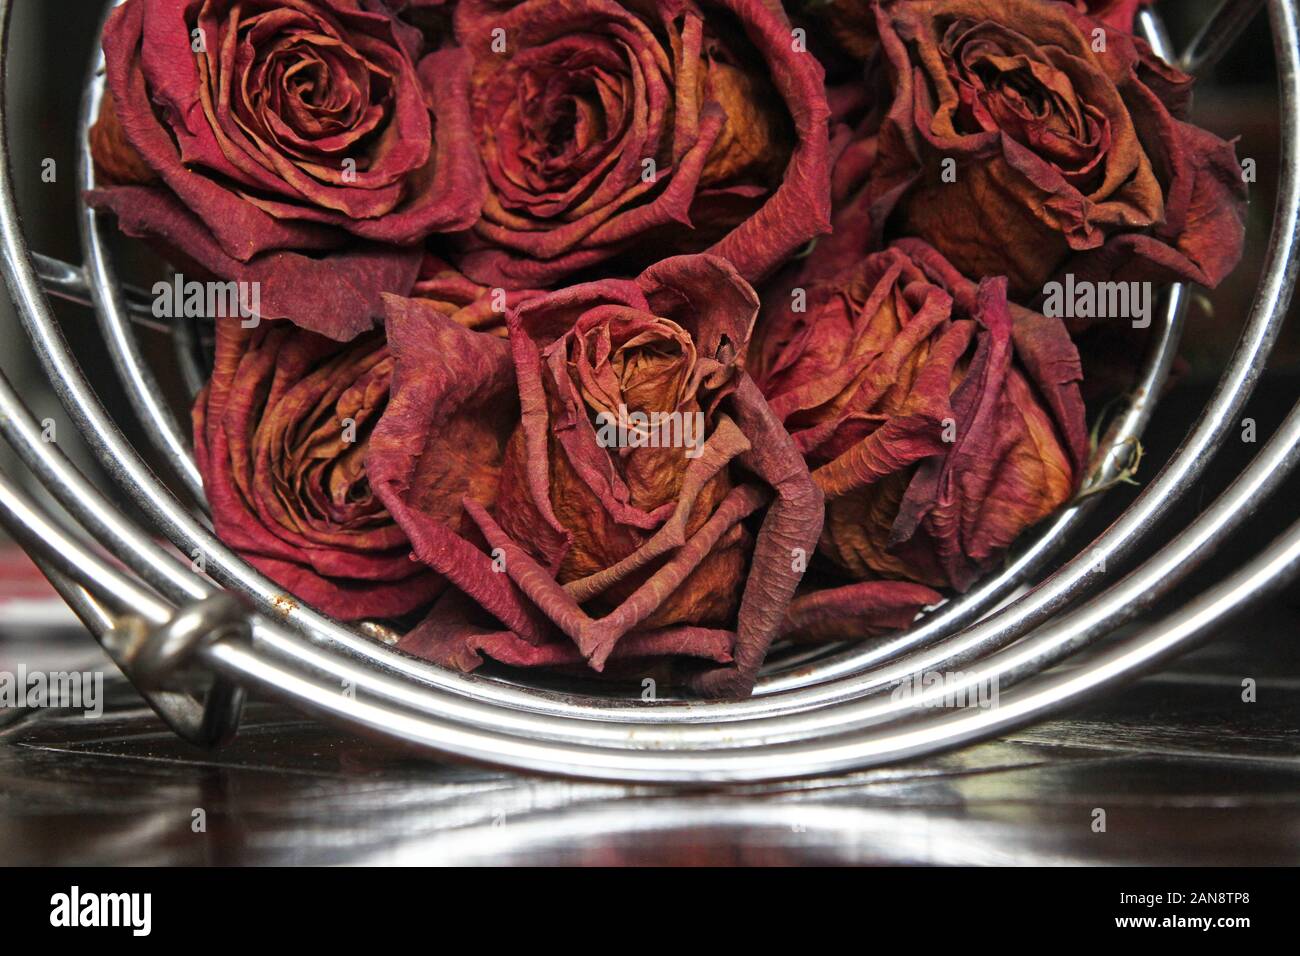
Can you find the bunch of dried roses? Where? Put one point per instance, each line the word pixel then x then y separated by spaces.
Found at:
pixel 612 334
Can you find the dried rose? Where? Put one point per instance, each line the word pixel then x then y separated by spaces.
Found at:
pixel 1016 145
pixel 280 436
pixel 940 422
pixel 634 130
pixel 292 143
pixel 641 448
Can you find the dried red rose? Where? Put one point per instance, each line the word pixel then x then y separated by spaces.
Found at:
pixel 292 143
pixel 1016 146
pixel 280 436
pixel 619 543
pixel 635 130
pixel 940 422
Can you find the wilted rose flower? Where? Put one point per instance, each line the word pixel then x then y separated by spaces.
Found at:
pixel 635 130
pixel 938 426
pixel 641 448
pixel 1025 139
pixel 280 436
pixel 291 143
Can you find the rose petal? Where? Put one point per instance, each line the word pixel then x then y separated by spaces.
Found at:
pixel 336 295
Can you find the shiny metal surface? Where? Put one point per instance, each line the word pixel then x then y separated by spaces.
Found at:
pixel 66 281
pixel 1218 34
pixel 830 714
pixel 161 424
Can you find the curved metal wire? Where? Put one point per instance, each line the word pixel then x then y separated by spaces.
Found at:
pixel 141 385
pixel 1217 36
pixel 832 716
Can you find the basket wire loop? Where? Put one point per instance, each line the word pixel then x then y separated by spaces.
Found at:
pixel 828 714
pixel 142 389
pixel 153 659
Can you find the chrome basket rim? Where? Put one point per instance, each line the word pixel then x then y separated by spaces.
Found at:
pixel 832 714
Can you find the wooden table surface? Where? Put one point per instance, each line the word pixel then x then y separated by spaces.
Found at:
pixel 1185 770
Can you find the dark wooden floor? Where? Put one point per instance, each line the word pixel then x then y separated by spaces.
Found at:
pixel 1185 771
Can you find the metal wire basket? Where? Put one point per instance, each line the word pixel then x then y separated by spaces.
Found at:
pixel 215 628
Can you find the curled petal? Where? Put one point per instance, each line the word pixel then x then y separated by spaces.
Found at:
pixel 441 442
pixel 338 295
pixel 853 611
